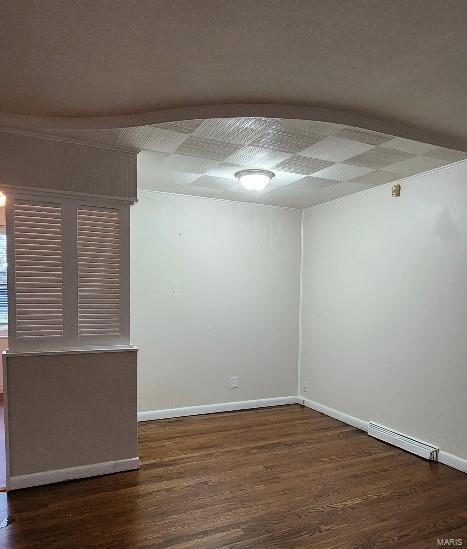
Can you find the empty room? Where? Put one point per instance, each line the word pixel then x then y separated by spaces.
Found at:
pixel 233 259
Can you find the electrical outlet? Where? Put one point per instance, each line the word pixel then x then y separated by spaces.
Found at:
pixel 305 386
pixel 234 382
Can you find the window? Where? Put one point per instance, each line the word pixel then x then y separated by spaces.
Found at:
pixel 70 274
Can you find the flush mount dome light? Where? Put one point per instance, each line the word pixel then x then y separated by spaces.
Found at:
pixel 254 180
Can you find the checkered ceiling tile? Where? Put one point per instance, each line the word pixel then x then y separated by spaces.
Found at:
pixel 313 161
pixel 302 165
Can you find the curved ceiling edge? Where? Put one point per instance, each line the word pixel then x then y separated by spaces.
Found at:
pixel 322 114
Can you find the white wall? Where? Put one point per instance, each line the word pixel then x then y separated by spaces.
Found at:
pixel 215 291
pixel 384 334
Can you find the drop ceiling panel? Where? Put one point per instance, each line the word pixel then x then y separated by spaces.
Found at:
pixel 155 178
pixel 206 148
pixel 284 178
pixel 253 156
pixel 224 169
pixel 378 157
pixel 376 177
pixel 342 172
pixel 210 182
pixel 409 146
pixel 182 126
pixel 364 136
pixel 313 161
pixel 336 191
pixel 284 140
pixel 178 178
pixel 310 183
pixel 241 131
pixel 302 164
pixel 313 127
pixel 447 154
pixel 152 138
pixel 336 149
pixel 416 164
pixel 193 164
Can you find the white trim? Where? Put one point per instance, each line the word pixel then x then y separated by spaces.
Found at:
pixel 11 279
pixel 6 422
pixel 213 408
pixel 47 194
pixel 300 308
pixel 125 273
pixel 452 461
pixel 390 183
pixel 74 351
pixel 83 471
pixel 72 140
pixel 341 416
pixel 226 200
pixel 456 462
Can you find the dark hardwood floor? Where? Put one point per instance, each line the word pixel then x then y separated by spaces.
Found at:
pixel 276 477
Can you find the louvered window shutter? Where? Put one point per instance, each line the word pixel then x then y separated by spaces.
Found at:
pixel 68 274
pixel 38 272
pixel 3 281
pixel 99 285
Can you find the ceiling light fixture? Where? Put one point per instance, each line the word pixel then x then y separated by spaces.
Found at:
pixel 254 180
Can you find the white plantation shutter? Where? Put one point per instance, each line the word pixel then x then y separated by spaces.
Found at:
pixel 38 271
pixel 99 274
pixel 68 273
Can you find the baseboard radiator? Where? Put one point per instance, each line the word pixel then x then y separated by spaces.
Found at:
pixel 405 442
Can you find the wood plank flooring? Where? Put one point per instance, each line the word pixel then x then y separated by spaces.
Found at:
pixel 284 477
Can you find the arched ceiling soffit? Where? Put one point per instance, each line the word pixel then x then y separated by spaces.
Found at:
pixel 299 112
pixel 393 67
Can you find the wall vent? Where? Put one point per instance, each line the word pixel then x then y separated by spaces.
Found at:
pixel 405 442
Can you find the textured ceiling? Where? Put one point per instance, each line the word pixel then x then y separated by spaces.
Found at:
pixel 313 162
pixel 398 61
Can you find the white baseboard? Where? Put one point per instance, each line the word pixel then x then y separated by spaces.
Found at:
pixel 83 471
pixel 451 460
pixel 213 408
pixel 351 420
